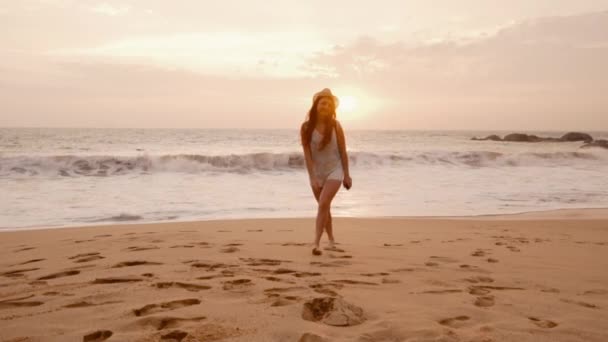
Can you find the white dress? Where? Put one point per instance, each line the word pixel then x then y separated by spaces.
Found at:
pixel 326 162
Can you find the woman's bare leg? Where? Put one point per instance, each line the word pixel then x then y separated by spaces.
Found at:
pixel 329 228
pixel 330 188
pixel 329 224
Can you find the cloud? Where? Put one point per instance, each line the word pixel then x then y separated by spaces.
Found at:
pixel 551 51
pixel 110 10
pixel 546 73
pixel 524 74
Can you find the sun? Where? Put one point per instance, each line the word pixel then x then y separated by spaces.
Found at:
pixel 348 104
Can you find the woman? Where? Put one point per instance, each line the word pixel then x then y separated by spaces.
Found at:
pixel 324 147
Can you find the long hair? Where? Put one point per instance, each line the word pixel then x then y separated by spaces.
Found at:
pixel 311 122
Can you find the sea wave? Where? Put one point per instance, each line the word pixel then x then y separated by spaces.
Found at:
pixel 103 166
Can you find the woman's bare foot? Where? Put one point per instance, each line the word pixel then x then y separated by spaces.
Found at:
pixel 316 250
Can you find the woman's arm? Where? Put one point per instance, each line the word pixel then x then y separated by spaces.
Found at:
pixel 342 148
pixel 307 153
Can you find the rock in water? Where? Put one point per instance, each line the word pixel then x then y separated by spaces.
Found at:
pixel 332 311
pixel 577 136
pixel 520 137
pixel 596 143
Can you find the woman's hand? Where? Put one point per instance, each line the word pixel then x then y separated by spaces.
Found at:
pixel 347 182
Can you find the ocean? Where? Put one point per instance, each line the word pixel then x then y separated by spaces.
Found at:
pixel 51 177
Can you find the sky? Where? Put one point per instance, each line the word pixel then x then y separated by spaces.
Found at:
pixel 417 64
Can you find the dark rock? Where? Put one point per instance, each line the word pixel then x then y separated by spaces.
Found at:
pixel 577 136
pixel 597 143
pixel 520 137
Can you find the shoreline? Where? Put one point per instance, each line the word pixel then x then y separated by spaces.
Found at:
pixel 589 213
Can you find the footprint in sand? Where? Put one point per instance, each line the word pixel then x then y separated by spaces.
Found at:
pixel 441 291
pixel 29 262
pixel 479 279
pixel 84 304
pixel 262 262
pixel 81 241
pixel 454 322
pixel 91 258
pixel 542 323
pixel 484 301
pixel 97 336
pixel 583 304
pixel 135 263
pixel 469 267
pixel 478 291
pixel 393 244
pixel 390 281
pixel 333 256
pixel 60 275
pixel 182 246
pixel 17 273
pixel 223 274
pixel 255 230
pixel 447 260
pixel 595 292
pixel 299 244
pixel 211 266
pixel 230 249
pixel 404 269
pixel 549 289
pixel 161 323
pixel 174 336
pixel 23 249
pixel 336 263
pixel 115 280
pixel 85 257
pixel 278 280
pixel 479 253
pixel 327 288
pixel 375 274
pixel 19 303
pixel 334 249
pixel 352 282
pixel 166 306
pixel 491 260
pixel 237 284
pixel 187 286
pixel 306 274
pixel 141 248
pixel 284 300
pixel 277 291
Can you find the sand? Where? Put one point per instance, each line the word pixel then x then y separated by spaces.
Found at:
pixel 529 277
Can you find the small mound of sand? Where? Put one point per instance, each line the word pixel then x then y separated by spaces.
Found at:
pixel 332 311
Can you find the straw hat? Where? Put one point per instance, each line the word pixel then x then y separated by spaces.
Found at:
pixel 326 92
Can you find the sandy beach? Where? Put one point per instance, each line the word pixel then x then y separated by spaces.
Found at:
pixel 530 277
